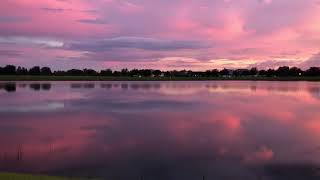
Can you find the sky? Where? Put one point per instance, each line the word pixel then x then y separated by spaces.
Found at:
pixel 160 34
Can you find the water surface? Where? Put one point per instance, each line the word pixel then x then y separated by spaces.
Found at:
pixel 162 130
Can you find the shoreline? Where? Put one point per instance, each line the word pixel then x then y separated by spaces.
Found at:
pixel 19 176
pixel 110 78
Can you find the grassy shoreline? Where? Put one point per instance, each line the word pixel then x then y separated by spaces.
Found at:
pixel 15 176
pixel 104 78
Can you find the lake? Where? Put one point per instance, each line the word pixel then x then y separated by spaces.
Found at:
pixel 162 130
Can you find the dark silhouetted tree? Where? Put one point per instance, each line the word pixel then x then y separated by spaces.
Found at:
pixel 253 71
pixel 215 72
pixel 46 71
pixel 210 73
pixel 107 72
pixel 262 72
pixel 116 73
pixel 124 72
pixel 294 71
pixel 90 72
pixel 134 72
pixel 60 73
pixel 225 72
pixel 146 72
pixel 75 72
pixel 35 71
pixel 313 71
pixel 156 73
pixel 283 71
pixel 22 71
pixel 9 70
pixel 271 73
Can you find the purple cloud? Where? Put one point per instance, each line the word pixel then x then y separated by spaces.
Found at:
pixel 143 43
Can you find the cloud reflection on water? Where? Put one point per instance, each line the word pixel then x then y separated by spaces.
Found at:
pixel 227 130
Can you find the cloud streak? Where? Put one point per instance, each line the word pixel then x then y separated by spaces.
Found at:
pixel 47 42
pixel 93 21
pixel 14 19
pixel 134 43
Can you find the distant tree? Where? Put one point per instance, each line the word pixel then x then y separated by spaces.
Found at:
pixel 191 74
pixel 9 70
pixel 90 72
pixel 197 73
pixel 208 73
pixel 262 72
pixel 22 71
pixel 116 73
pixel 147 72
pixel 167 74
pixel 46 71
pixel 241 72
pixel 182 73
pixel 313 71
pixel 174 73
pixel 237 72
pixel 271 73
pixel 75 72
pixel 211 73
pixel 107 72
pixel 124 72
pixel 294 71
pixel 134 72
pixel 60 73
pixel 156 73
pixel 35 71
pixel 225 72
pixel 283 71
pixel 215 72
pixel 253 71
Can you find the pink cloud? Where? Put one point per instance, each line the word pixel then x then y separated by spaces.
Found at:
pixel 237 31
pixel 261 155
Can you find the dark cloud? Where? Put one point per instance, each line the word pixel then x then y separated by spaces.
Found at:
pixel 135 43
pixel 59 10
pixel 124 55
pixel 53 9
pixel 89 11
pixel 14 19
pixel 93 21
pixel 9 53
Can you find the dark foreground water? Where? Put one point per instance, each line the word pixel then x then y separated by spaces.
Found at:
pixel 162 130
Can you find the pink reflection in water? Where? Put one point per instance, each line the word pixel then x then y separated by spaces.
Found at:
pixel 126 129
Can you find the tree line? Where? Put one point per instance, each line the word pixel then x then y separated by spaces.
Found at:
pixel 283 71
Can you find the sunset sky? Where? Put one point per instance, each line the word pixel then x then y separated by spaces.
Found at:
pixel 162 34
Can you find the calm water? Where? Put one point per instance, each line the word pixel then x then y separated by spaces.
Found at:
pixel 162 130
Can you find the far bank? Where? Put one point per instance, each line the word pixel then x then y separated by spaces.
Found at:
pixel 127 78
